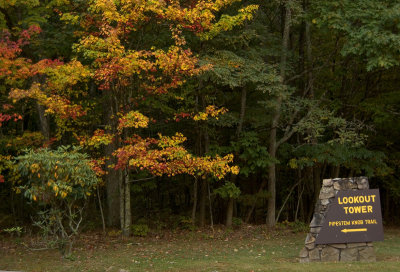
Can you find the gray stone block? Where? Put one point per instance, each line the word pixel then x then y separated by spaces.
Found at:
pixel 320 208
pixel 344 184
pixel 309 239
pixel 367 254
pixel 326 192
pixel 339 246
pixel 315 230
pixel 303 253
pixel 321 247
pixel 310 246
pixel 352 245
pixel 317 221
pixel 327 182
pixel 314 255
pixel 349 255
pixel 362 183
pixel 330 254
pixel 325 202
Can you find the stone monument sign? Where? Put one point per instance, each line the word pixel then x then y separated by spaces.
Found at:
pixel 347 218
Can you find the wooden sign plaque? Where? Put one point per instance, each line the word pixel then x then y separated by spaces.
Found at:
pixel 354 216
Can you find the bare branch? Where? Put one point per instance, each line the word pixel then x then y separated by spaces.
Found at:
pixel 134 180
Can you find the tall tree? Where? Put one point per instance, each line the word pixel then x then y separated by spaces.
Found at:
pixel 127 71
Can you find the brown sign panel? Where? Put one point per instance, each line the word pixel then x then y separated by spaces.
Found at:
pixel 353 216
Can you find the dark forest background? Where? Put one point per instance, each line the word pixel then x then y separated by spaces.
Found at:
pixel 311 89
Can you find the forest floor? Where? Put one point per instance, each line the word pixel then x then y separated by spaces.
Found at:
pixel 250 248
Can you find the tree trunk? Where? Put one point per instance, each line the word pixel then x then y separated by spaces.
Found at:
pixel 253 206
pixel 336 171
pixel 101 210
pixel 317 181
pixel 125 204
pixel 194 201
pixel 271 187
pixel 299 198
pixel 44 122
pixel 275 121
pixel 229 209
pixel 229 213
pixel 302 59
pixel 242 112
pixel 121 202
pixel 210 207
pixel 286 200
pixel 112 179
pixel 43 119
pixel 198 150
pixel 203 198
pixel 204 184
pixel 310 77
pixel 7 17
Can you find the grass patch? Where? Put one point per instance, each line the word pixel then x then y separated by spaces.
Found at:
pixel 252 248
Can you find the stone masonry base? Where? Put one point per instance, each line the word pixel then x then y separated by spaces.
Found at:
pixel 334 252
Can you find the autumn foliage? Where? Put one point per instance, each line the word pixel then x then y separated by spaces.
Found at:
pixel 111 63
pixel 104 55
pixel 105 41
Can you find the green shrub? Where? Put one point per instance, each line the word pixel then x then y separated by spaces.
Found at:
pixel 141 230
pixel 296 226
pixel 299 226
pixel 13 230
pixel 228 190
pixel 237 222
pixel 60 181
pixel 185 222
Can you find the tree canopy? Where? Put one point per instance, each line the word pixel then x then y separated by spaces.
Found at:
pixel 206 110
